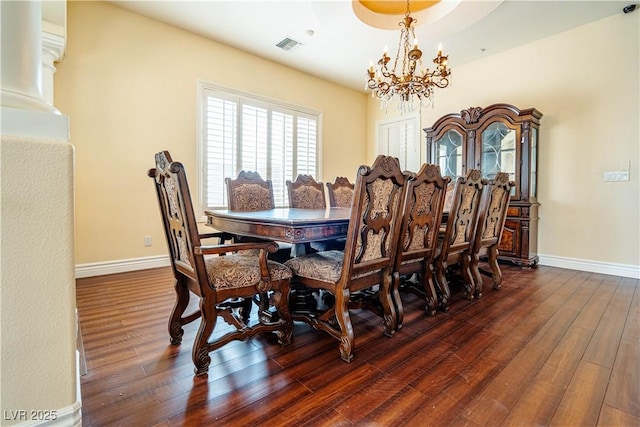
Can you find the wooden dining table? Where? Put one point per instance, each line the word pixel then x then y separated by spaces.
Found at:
pixel 296 226
pixel 300 227
pixel 289 225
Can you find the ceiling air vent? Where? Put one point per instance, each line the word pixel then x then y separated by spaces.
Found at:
pixel 288 44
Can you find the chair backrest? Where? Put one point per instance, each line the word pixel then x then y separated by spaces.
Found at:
pixel 463 215
pixel 493 211
pixel 374 224
pixel 423 207
pixel 249 192
pixel 306 193
pixel 178 218
pixel 340 193
pixel 448 199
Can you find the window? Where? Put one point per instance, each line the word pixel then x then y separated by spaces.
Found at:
pixel 241 132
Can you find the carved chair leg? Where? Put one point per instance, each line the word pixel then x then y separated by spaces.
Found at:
pixel 465 269
pixel 495 268
pixel 344 322
pixel 430 291
pixel 442 286
pixel 245 310
pixel 397 301
pixel 263 306
pixel 477 276
pixel 281 301
pixel 390 318
pixel 200 353
pixel 175 321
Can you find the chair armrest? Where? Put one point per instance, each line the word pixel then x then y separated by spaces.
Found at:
pixel 235 247
pixel 220 235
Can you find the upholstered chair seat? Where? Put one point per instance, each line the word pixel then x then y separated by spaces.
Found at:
pixel 238 270
pixel 325 266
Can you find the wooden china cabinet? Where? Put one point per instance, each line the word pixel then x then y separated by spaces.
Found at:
pixel 498 138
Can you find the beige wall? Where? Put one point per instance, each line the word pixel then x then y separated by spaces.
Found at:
pixel 586 83
pixel 128 84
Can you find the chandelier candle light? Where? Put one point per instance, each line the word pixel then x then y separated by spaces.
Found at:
pixel 405 82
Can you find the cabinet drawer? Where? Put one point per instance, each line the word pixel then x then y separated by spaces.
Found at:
pixel 513 211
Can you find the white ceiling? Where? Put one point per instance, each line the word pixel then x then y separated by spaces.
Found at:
pixel 342 47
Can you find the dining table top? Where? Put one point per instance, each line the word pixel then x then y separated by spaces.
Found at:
pixel 283 224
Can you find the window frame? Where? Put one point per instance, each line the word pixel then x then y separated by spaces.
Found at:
pixel 273 105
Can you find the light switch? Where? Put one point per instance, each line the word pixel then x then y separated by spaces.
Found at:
pixel 616 176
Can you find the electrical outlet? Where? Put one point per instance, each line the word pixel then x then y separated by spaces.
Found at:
pixel 147 240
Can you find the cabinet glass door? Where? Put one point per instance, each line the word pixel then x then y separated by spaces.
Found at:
pixel 449 150
pixel 499 151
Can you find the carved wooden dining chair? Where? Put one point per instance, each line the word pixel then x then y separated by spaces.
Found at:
pixel 455 244
pixel 367 260
pixel 340 192
pixel 221 277
pixel 423 206
pixel 493 214
pixel 306 193
pixel 249 192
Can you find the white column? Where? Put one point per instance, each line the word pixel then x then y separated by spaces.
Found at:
pixel 52 51
pixel 21 28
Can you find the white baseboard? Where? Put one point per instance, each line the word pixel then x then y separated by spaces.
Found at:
pixel 623 270
pixel 121 266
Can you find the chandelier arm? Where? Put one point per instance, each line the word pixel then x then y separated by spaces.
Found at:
pixel 442 83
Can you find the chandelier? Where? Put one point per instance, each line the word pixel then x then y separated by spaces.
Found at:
pixel 407 77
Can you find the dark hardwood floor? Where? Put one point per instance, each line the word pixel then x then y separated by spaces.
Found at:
pixel 553 347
